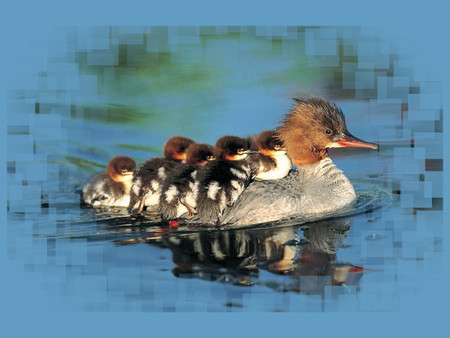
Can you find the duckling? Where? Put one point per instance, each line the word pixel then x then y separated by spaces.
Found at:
pixel 221 182
pixel 175 148
pixel 146 186
pixel 274 163
pixel 113 187
pixel 179 190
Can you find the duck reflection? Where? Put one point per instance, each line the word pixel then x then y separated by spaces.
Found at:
pixel 307 262
pixel 230 256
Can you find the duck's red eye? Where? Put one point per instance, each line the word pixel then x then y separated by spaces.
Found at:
pixel 328 131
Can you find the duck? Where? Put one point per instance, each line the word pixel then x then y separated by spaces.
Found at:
pixel 179 190
pixel 317 189
pixel 274 163
pixel 219 183
pixel 111 188
pixel 147 180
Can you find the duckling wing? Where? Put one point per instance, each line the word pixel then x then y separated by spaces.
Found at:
pixel 177 193
pixel 219 185
pixel 147 183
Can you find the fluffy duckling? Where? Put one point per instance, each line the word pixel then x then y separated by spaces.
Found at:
pixel 176 147
pixel 274 163
pixel 179 190
pixel 222 181
pixel 146 187
pixel 113 187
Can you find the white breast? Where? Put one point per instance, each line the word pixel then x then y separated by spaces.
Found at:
pixel 283 166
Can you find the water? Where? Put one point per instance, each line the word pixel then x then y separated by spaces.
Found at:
pixel 132 91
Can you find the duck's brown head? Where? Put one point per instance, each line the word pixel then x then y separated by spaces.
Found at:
pixel 232 148
pixel 313 125
pixel 269 144
pixel 199 154
pixel 120 168
pixel 175 148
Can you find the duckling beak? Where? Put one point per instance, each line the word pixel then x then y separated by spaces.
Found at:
pixel 348 140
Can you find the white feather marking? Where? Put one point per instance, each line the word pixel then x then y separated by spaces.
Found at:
pixel 235 184
pixel 223 202
pixel 162 173
pixel 195 190
pixel 155 185
pixel 238 174
pixel 151 199
pixel 181 210
pixel 171 193
pixel 124 201
pixel 191 199
pixel 194 174
pixel 194 195
pixel 213 188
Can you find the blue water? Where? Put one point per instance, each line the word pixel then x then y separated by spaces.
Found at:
pixel 375 257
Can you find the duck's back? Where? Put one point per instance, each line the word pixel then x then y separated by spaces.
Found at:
pixel 313 192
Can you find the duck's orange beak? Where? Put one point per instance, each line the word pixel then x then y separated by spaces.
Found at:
pixel 348 140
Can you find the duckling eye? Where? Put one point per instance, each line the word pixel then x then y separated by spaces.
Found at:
pixel 124 171
pixel 277 147
pixel 240 151
pixel 328 131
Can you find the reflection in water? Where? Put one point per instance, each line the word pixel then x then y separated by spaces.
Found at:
pixel 239 257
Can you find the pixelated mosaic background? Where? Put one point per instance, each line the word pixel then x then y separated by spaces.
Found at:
pixel 104 91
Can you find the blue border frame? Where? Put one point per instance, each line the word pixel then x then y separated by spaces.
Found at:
pixel 24 20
